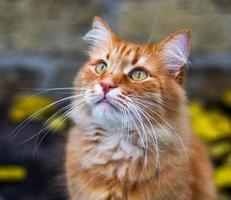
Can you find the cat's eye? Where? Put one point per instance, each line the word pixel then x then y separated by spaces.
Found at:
pixel 138 75
pixel 101 67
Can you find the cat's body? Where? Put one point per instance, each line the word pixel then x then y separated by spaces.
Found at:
pixel 132 139
pixel 115 177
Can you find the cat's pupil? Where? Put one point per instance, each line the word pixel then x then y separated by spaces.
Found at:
pixel 138 75
pixel 103 66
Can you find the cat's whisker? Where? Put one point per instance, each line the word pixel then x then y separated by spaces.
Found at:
pixel 151 133
pixel 134 105
pixel 149 122
pixel 130 129
pixel 124 127
pixel 159 104
pixel 175 134
pixel 154 140
pixel 126 115
pixel 55 88
pixel 48 121
pixel 66 115
pixel 45 90
pixel 152 102
pixel 135 125
pixel 44 126
pixel 153 30
pixel 127 103
pixel 15 132
pixel 138 119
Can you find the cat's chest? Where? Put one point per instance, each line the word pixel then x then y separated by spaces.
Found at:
pixel 102 148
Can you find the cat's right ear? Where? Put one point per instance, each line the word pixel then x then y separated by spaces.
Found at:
pixel 100 36
pixel 175 51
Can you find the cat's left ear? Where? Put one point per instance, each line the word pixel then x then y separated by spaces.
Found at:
pixel 175 51
pixel 100 36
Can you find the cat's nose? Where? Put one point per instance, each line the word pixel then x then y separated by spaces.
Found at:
pixel 107 85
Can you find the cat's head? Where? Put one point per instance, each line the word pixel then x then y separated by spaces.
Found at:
pixel 124 83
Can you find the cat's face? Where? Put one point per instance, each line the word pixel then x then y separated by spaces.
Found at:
pixel 124 83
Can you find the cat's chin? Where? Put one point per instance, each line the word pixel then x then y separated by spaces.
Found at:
pixel 102 114
pixel 106 113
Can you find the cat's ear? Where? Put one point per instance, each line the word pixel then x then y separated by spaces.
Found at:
pixel 100 35
pixel 175 50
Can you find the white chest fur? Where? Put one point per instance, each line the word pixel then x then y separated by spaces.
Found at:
pixel 109 148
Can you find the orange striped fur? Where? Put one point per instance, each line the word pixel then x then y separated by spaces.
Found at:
pixel 155 156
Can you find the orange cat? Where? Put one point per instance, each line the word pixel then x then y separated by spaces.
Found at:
pixel 132 139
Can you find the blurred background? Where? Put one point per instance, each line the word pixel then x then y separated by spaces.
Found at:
pixel 41 48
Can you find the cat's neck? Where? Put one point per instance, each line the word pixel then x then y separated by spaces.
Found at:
pixel 100 147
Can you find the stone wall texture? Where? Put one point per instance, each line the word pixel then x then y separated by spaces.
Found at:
pixel 57 25
pixel 44 36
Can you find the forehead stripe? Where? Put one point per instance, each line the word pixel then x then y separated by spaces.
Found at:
pixel 108 55
pixel 128 52
pixel 136 56
pixel 123 49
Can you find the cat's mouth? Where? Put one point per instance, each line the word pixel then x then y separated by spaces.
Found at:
pixel 106 103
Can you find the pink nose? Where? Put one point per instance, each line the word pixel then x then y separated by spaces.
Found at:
pixel 106 85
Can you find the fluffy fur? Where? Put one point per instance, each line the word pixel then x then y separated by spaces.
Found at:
pixel 138 145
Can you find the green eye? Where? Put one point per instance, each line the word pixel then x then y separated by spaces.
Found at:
pixel 101 67
pixel 138 75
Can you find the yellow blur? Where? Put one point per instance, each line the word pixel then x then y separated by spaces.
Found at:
pixel 36 107
pixel 12 173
